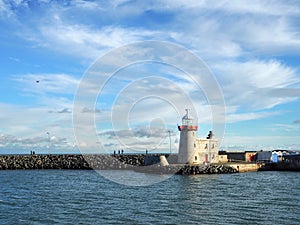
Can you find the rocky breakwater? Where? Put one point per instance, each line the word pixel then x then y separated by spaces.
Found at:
pixel 118 161
pixel 14 162
pixel 186 169
pixel 70 161
pixel 136 162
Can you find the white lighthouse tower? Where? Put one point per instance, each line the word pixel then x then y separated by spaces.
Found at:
pixel 187 142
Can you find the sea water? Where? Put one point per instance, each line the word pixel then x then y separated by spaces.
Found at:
pixel 85 197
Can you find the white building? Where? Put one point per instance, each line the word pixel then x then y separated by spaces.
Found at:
pixel 193 150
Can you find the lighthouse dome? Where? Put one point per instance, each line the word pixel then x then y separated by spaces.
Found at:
pixel 187 119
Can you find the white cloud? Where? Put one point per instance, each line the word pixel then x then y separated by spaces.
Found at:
pixel 141 132
pixel 65 110
pixel 218 29
pixel 138 139
pixel 86 5
pixel 83 42
pixel 256 84
pixel 3 7
pixel 28 124
pixel 261 142
pixel 226 29
pixel 276 35
pixel 39 144
pixel 238 117
pixel 252 87
pixel 240 7
pixel 260 7
pixel 290 128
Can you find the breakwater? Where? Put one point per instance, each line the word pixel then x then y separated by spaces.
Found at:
pixel 138 162
pixel 186 169
pixel 12 162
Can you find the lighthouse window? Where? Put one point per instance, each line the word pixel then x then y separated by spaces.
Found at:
pixel 196 158
pixel 213 145
pixel 194 145
pixel 193 133
pixel 205 145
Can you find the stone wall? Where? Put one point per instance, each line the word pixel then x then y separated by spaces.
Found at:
pixel 245 167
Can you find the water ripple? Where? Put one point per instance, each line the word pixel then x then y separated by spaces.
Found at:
pixel 84 197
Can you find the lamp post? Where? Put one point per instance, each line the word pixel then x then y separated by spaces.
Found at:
pixel 170 140
pixel 48 143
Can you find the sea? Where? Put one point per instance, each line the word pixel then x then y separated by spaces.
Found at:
pixel 89 197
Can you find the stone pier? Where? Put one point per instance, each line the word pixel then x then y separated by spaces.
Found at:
pixel 138 162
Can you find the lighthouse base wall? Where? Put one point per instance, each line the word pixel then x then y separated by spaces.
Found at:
pixel 187 146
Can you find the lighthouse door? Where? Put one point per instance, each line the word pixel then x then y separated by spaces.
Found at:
pixel 206 158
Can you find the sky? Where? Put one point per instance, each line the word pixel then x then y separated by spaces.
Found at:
pixel 98 76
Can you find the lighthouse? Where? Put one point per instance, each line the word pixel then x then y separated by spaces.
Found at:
pixel 187 142
pixel 193 150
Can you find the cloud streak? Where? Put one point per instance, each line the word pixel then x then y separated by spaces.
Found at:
pixel 65 110
pixel 38 141
pixel 78 38
pixel 139 132
pixel 270 80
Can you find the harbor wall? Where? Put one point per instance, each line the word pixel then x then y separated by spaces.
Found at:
pixel 245 167
pixel 148 163
pixel 139 162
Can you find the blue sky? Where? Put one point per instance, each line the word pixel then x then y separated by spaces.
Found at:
pixel 252 49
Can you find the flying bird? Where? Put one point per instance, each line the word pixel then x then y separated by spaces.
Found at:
pixel 37 81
